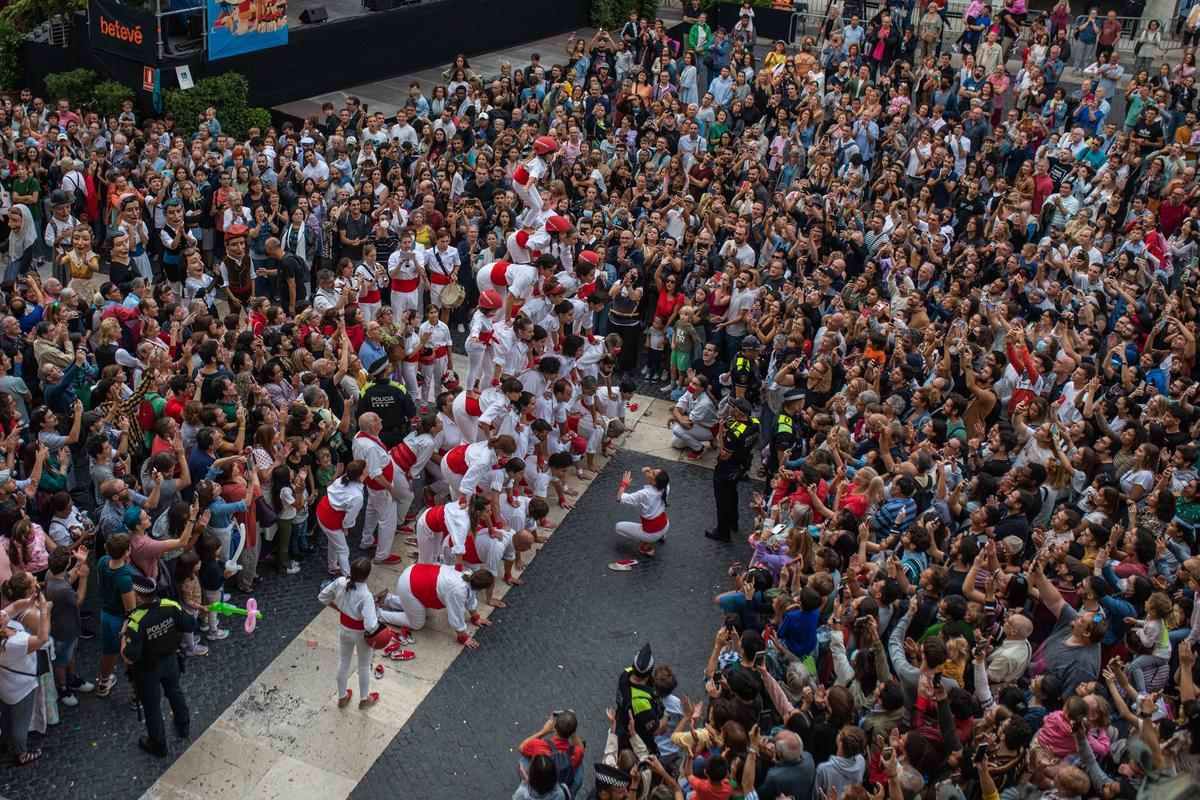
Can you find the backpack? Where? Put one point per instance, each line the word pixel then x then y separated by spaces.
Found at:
pixel 148 413
pixel 564 767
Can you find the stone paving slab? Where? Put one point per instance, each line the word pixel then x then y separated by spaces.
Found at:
pixel 562 643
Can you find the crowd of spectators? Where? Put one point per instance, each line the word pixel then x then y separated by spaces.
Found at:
pixel 953 274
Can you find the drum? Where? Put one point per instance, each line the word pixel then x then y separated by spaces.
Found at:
pixel 452 295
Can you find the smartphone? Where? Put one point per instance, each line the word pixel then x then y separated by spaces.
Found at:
pixel 889 753
pixel 980 752
pixel 761 658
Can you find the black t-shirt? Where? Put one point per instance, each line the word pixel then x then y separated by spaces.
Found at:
pixel 292 267
pixel 355 229
pixel 713 372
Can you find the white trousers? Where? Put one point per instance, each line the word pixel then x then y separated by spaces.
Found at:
pixel 408 371
pixel 693 438
pixel 429 543
pixel 403 609
pixel 494 552
pixel 349 642
pixel 369 310
pixel 405 300
pixel 468 426
pixel 432 374
pixel 338 554
pixel 529 195
pixel 594 434
pixel 635 531
pixel 516 516
pixel 453 481
pixel 478 360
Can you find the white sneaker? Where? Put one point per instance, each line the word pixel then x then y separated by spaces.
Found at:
pixel 105 685
pixel 84 688
pixel 217 634
pixel 68 700
pixel 292 569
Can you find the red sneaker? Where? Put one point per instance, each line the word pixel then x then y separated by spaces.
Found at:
pixel 694 455
pixel 402 655
pixel 392 559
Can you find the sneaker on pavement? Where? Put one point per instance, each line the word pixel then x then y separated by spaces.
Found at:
pixel 66 698
pixel 201 650
pixel 694 455
pixel 366 544
pixel 392 559
pixel 292 569
pixel 81 686
pixel 105 685
pixel 217 634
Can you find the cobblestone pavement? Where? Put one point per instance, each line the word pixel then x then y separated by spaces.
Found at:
pixel 93 750
pixel 562 643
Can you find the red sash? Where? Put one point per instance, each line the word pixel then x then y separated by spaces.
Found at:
pixel 405 285
pixel 498 272
pixel 456 459
pixel 330 518
pixel 352 623
pixel 473 407
pixel 472 555
pixel 435 519
pixel 654 524
pixel 370 297
pixel 438 278
pixel 485 337
pixel 423 583
pixel 388 470
pixel 403 455
pixel 521 175
pixel 440 352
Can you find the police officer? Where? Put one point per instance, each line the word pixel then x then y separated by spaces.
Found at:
pixel 787 430
pixel 744 372
pixel 638 700
pixel 736 441
pixel 389 400
pixel 150 646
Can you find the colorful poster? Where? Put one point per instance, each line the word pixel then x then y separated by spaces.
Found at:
pixel 243 27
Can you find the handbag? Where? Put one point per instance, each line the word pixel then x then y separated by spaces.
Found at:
pixel 264 512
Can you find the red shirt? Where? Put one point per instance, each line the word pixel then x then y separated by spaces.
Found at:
pixel 1043 187
pixel 174 409
pixel 1171 216
pixel 540 747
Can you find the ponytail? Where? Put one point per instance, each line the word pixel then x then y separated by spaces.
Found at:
pixel 360 570
pixel 354 471
pixel 662 482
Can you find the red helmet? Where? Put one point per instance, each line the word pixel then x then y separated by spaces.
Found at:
pixel 557 224
pixel 490 300
pixel 381 638
pixel 544 144
pixel 588 257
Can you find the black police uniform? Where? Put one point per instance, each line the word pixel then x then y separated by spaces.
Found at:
pixel 395 408
pixel 744 374
pixel 737 440
pixel 152 642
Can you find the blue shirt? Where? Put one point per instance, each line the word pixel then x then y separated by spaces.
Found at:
pixel 799 631
pixel 721 90
pixel 885 518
